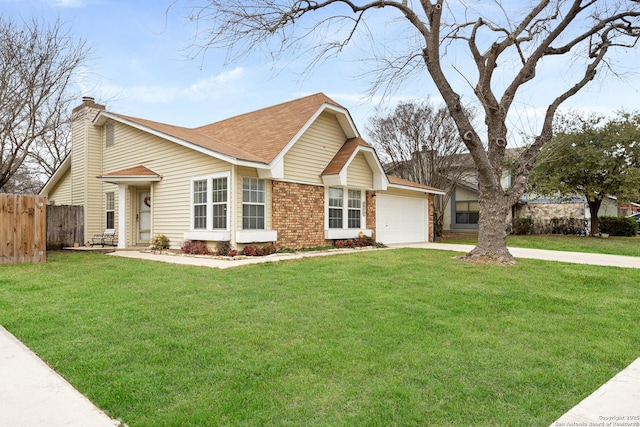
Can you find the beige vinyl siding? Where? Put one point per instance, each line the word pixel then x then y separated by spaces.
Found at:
pixel 171 197
pixel 359 173
pixel 78 161
pixel 86 159
pixel 243 172
pixel 311 154
pixel 466 195
pixel 62 192
pixel 94 208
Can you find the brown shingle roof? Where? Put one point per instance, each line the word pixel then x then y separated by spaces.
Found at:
pixel 339 161
pixel 133 172
pixel 256 136
pixel 399 181
pixel 266 132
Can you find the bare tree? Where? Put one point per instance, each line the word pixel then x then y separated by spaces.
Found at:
pixel 505 43
pixel 421 144
pixel 37 63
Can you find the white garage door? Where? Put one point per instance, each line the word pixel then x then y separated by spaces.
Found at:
pixel 400 219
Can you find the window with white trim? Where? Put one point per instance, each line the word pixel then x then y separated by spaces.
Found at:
pixel 335 207
pixel 200 193
pixel 253 204
pixel 355 209
pixel 209 202
pixel 338 216
pixel 110 210
pixel 219 195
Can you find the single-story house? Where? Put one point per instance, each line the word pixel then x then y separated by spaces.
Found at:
pixel 297 174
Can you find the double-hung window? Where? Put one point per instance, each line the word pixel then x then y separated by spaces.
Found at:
pixel 209 200
pixel 110 210
pixel 253 204
pixel 336 204
pixel 339 216
pixel 355 209
pixel 200 193
pixel 219 192
pixel 467 212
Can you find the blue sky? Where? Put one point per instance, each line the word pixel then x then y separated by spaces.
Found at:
pixel 140 67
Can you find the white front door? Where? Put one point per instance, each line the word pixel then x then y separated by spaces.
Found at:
pixel 144 216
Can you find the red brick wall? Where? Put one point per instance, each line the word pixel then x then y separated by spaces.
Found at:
pixel 298 215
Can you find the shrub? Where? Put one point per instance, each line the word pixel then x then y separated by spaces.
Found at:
pixel 232 252
pixel 252 250
pixel 195 247
pixel 567 225
pixel 269 249
pixel 352 243
pixel 160 242
pixel 522 226
pixel 223 248
pixel 618 226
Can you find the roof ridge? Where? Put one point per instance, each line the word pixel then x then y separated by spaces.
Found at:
pixel 271 107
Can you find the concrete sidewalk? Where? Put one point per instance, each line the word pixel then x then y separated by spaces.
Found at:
pixel 33 395
pixel 560 256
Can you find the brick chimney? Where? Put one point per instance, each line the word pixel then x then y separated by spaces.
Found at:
pixel 90 102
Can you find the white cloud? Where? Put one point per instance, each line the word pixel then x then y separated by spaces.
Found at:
pixel 215 86
pixel 68 3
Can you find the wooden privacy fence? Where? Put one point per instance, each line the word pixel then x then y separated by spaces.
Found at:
pixel 65 226
pixel 23 236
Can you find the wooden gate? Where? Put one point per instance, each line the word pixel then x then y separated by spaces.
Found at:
pixel 65 226
pixel 23 236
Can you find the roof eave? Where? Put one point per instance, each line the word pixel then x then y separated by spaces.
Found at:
pixel 129 180
pixel 57 175
pixel 102 117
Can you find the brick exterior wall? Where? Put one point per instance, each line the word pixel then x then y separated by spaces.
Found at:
pixel 431 231
pixel 371 212
pixel 298 215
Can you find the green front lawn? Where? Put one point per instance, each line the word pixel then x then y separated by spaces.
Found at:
pixel 629 246
pixel 377 338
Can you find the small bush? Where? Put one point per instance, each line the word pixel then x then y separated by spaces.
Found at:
pixel 567 225
pixel 223 248
pixel 618 226
pixel 269 249
pixel 195 247
pixel 253 250
pixel 232 252
pixel 160 242
pixel 522 226
pixel 352 243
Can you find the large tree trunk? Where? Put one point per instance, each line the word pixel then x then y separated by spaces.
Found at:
pixel 594 207
pixel 492 232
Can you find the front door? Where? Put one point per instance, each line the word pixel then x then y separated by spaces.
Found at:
pixel 144 217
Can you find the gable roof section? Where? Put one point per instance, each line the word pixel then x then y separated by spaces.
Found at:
pixel 53 181
pixel 336 171
pixel 137 174
pixel 257 138
pixel 267 132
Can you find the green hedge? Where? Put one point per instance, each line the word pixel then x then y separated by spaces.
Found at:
pixel 618 226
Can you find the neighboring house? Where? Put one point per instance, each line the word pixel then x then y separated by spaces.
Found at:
pixel 296 174
pixel 462 212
